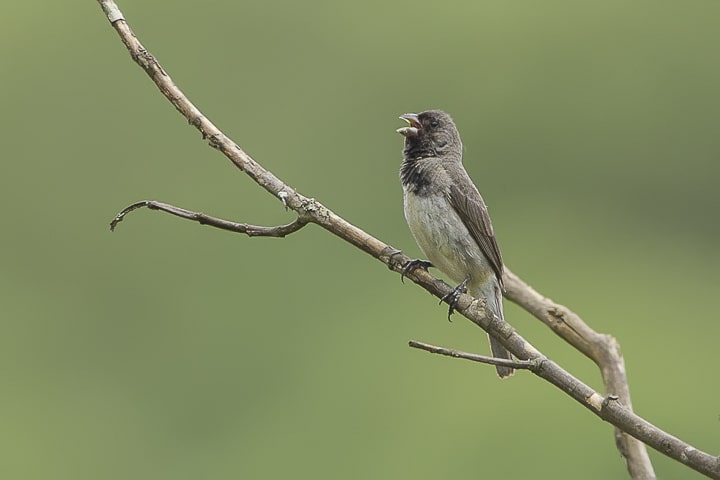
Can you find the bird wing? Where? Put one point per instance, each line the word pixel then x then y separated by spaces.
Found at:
pixel 468 203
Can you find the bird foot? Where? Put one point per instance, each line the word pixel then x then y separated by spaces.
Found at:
pixel 413 265
pixel 454 295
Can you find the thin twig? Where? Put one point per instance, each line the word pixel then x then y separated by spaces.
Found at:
pixel 203 219
pixel 517 364
pixel 311 211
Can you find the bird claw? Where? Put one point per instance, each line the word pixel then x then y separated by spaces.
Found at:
pixel 454 295
pixel 413 265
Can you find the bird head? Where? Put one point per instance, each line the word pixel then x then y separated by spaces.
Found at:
pixel 430 134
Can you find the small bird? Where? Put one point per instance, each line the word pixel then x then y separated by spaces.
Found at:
pixel 448 217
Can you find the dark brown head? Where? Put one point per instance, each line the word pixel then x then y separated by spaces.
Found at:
pixel 431 134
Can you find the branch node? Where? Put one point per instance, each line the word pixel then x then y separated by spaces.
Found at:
pixel 685 454
pixel 196 122
pixel 596 401
pixel 112 11
pixel 310 205
pixel 215 141
pixel 282 195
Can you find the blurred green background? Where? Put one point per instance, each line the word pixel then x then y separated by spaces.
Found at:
pixel 172 351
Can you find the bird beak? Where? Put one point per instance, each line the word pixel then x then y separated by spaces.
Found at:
pixel 413 129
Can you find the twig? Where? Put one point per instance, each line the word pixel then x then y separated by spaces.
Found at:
pixel 203 219
pixel 311 211
pixel 473 357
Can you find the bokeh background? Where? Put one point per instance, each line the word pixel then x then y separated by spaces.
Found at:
pixel 168 350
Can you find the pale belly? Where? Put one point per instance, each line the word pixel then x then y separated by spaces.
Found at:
pixel 445 241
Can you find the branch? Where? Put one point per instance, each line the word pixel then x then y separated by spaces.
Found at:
pixel 202 219
pixel 473 357
pixel 609 408
pixel 603 349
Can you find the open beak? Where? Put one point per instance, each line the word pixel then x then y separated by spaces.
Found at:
pixel 413 128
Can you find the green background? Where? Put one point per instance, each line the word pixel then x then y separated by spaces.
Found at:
pixel 168 350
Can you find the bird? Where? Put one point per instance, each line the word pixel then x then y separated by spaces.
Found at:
pixel 448 217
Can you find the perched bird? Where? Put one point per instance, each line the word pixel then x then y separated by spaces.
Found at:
pixel 448 217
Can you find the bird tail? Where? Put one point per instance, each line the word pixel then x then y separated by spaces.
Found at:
pixel 498 351
pixel 493 305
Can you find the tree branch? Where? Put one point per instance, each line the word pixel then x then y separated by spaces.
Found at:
pixel 603 349
pixel 614 408
pixel 202 219
pixel 473 357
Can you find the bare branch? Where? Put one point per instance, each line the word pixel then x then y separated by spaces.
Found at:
pixel 520 364
pixel 603 349
pixel 203 219
pixel 610 408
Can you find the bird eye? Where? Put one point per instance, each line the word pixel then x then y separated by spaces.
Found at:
pixel 434 123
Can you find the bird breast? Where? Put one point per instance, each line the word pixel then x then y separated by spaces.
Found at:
pixel 442 236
